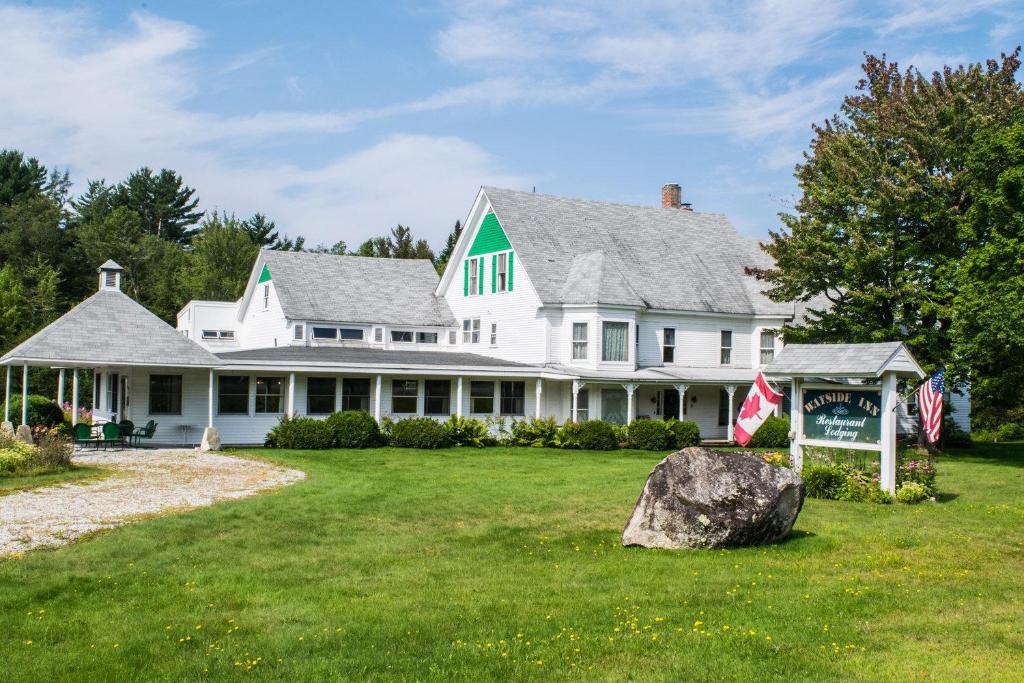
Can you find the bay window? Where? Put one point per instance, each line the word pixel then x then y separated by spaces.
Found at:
pixel 615 342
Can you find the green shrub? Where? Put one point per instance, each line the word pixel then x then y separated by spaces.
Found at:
pixel 773 433
pixel 300 433
pixel 955 437
pixel 1010 431
pixel 983 436
pixel 685 433
pixel 41 411
pixel 419 432
pixel 467 431
pixel 534 432
pixel 912 492
pixel 824 480
pixel 592 435
pixel 920 471
pixel 621 433
pixel 650 435
pixel 55 447
pixel 16 456
pixel 861 487
pixel 353 429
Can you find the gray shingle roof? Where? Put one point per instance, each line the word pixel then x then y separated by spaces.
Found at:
pixel 666 258
pixel 853 360
pixel 111 328
pixel 358 289
pixel 359 355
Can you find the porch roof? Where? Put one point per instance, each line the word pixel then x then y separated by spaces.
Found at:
pixel 109 328
pixel 845 360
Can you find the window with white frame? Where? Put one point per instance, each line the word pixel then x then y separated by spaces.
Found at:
pixel 402 336
pixel 471 331
pixel 579 341
pixel 378 335
pixel 615 342
pixel 583 405
pixel 513 398
pixel 350 334
pixel 726 355
pixel 403 395
pixel 325 333
pixel 767 346
pixel 668 345
pixel 452 336
pixel 481 397
pixel 426 337
pixel 266 297
pixel 269 393
pixel 503 272
pixel 218 334
pixel 494 334
pixel 300 332
pixel 474 277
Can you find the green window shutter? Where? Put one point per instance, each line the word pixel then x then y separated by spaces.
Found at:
pixel 480 276
pixel 465 278
pixel 510 271
pixel 494 273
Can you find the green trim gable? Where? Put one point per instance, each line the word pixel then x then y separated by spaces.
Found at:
pixel 489 238
pixel 264 275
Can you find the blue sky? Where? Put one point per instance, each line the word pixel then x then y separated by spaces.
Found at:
pixel 339 120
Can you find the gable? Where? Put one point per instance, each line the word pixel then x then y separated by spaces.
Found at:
pixel 490 237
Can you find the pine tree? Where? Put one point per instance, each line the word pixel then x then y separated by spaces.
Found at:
pixel 441 262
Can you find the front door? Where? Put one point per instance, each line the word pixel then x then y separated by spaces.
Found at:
pixel 670 404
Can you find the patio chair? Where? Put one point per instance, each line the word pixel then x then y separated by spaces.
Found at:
pixel 127 430
pixel 146 432
pixel 111 435
pixel 83 435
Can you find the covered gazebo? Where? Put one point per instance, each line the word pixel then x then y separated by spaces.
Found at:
pixel 109 333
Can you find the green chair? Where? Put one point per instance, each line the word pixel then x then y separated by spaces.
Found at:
pixel 111 435
pixel 83 435
pixel 127 430
pixel 146 432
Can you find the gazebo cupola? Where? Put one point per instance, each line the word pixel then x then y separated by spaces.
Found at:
pixel 110 275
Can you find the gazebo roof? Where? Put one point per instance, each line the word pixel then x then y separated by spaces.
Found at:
pixel 845 360
pixel 109 328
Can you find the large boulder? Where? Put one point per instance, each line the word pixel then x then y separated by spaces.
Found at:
pixel 699 498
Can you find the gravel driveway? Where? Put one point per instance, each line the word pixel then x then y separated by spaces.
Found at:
pixel 144 483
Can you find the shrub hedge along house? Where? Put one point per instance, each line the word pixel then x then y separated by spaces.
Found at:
pixel 549 307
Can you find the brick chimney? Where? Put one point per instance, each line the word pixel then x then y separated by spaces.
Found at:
pixel 671 196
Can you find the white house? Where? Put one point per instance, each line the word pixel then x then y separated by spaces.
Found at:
pixel 549 306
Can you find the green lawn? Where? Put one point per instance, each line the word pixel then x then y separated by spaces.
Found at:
pixel 73 474
pixel 505 564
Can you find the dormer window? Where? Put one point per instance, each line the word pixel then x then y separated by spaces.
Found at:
pixel 474 276
pixel 300 332
pixel 266 297
pixel 325 333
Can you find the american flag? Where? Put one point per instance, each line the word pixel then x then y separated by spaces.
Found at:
pixel 929 402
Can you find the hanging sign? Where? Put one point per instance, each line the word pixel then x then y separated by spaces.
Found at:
pixel 842 415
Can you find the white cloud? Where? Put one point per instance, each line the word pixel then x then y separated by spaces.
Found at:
pixel 105 103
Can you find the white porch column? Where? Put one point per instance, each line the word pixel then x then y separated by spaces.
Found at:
pixel 74 397
pixel 291 394
pixel 681 388
pixel 7 397
pixel 889 398
pixel 211 437
pixel 730 389
pixel 209 401
pixel 630 389
pixel 24 394
pixel 576 386
pixel 538 390
pixel 376 398
pixel 100 408
pixel 458 396
pixel 60 388
pixel 796 451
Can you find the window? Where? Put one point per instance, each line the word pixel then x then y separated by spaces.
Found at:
pixel 474 276
pixel 402 336
pixel 502 272
pixel 451 337
pixel 110 278
pixel 355 394
pixel 403 395
pixel 325 333
pixel 615 342
pixel 378 335
pixel 218 334
pixel 481 397
pixel 165 394
pixel 437 397
pixel 266 297
pixel 426 337
pixel 320 393
pixel 233 395
pixel 300 332
pixel 668 345
pixel 350 334
pixel 579 341
pixel 471 331
pixel 268 394
pixel 726 347
pixel 583 405
pixel 723 408
pixel 614 406
pixel 494 334
pixel 767 346
pixel 513 398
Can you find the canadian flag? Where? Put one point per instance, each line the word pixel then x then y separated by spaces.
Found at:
pixel 760 403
